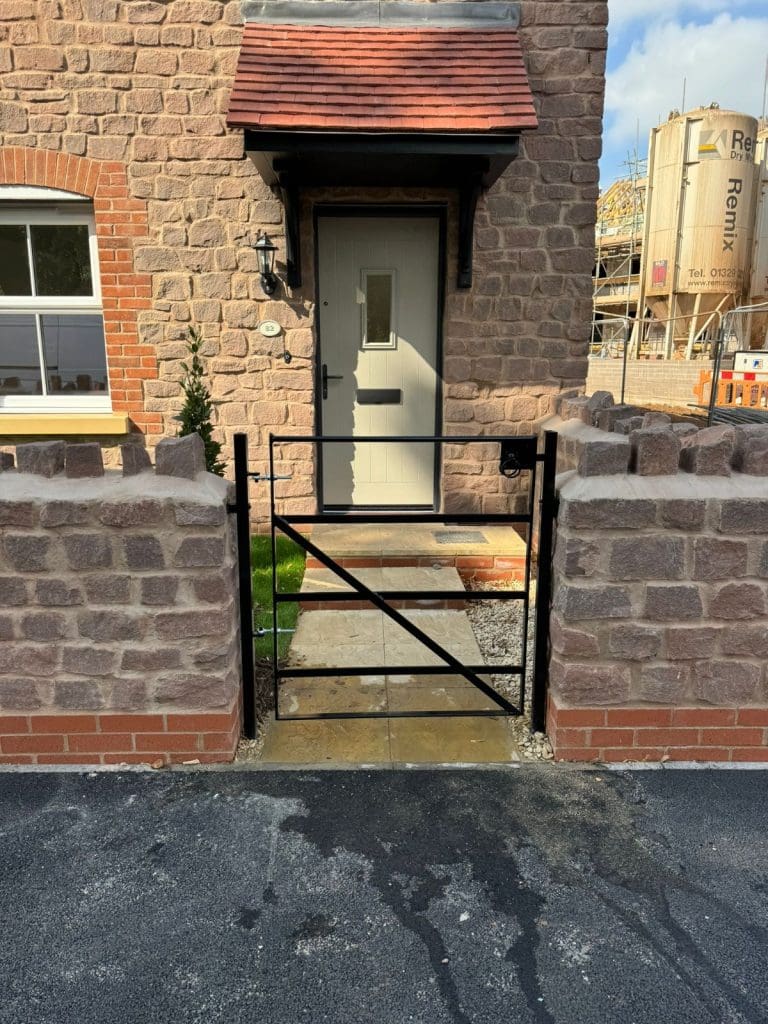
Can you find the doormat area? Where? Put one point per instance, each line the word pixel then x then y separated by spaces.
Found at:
pixel 460 537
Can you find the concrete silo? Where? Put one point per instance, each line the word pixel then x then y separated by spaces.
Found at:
pixel 758 294
pixel 699 227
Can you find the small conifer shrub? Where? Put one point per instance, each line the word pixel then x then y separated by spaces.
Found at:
pixel 195 414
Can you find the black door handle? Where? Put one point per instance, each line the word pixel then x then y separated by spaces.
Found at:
pixel 329 376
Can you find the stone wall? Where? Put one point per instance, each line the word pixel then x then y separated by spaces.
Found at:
pixel 118 609
pixel 659 643
pixel 139 90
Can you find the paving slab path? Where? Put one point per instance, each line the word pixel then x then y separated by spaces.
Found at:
pixel 535 895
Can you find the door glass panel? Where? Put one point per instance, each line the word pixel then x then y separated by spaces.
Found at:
pixel 377 322
pixel 75 357
pixel 14 260
pixel 61 259
pixel 19 358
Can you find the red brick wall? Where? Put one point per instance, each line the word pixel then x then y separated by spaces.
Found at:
pixel 119 739
pixel 655 734
pixel 120 220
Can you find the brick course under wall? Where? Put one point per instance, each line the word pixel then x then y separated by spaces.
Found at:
pixel 659 626
pixel 141 90
pixel 119 635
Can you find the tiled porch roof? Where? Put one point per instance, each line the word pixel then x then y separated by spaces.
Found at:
pixel 368 79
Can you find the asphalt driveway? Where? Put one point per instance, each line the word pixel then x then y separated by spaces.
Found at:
pixel 440 897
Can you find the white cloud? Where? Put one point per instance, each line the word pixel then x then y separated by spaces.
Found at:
pixel 723 62
pixel 624 11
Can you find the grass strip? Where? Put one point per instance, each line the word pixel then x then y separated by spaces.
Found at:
pixel 290 573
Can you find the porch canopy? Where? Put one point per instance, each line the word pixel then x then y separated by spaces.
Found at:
pixel 381 93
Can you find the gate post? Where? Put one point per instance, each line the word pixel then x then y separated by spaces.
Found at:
pixel 242 519
pixel 544 583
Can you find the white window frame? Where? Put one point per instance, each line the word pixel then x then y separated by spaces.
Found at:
pixel 49 206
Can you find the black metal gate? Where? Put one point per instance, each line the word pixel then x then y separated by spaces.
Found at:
pixel 517 455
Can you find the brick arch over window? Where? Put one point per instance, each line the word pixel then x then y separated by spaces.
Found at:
pixel 120 221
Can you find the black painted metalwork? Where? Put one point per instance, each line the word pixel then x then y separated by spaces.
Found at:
pixel 516 455
pixel 379 396
pixel 547 515
pixel 241 508
pixel 289 192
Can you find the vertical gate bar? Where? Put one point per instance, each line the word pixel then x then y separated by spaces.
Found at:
pixel 242 508
pixel 527 582
pixel 544 583
pixel 275 623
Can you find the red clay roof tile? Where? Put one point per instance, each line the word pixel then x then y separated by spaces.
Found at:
pixel 372 79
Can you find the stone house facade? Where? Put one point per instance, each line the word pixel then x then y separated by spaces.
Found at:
pixel 124 106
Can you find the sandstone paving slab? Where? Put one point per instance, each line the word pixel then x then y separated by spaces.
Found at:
pixel 339 627
pixel 413 652
pixel 337 741
pixel 407 539
pixel 334 694
pixel 458 740
pixel 435 697
pixel 407 577
pixel 362 655
pixel 440 624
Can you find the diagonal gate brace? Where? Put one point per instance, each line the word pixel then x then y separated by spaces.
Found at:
pixel 393 613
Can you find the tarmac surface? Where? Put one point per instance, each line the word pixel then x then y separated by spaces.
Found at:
pixel 535 894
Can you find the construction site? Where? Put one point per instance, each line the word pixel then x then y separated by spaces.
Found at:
pixel 681 266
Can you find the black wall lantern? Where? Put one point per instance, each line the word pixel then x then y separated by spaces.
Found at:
pixel 266 254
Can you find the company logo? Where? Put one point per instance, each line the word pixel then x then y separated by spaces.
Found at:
pixel 735 187
pixel 726 145
pixel 659 274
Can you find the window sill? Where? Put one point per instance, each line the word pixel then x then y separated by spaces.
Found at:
pixel 62 424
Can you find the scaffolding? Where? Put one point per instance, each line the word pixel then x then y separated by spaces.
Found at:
pixel 619 235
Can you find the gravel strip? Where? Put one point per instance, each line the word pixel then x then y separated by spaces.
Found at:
pixel 498 628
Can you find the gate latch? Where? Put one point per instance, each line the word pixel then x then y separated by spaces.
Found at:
pixel 517 455
pixel 262 631
pixel 265 477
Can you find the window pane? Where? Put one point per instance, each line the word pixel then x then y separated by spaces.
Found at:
pixel 19 361
pixel 14 260
pixel 75 357
pixel 61 259
pixel 378 309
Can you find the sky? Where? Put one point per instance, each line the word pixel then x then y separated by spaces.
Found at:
pixel 718 46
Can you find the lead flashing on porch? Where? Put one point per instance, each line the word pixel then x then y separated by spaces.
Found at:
pixel 494 14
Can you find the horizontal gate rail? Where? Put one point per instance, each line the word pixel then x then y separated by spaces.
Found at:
pixel 407 595
pixel 322 715
pixel 299 672
pixel 396 518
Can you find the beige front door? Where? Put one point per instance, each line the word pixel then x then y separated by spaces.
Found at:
pixel 378 322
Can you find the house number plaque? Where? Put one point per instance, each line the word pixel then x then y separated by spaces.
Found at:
pixel 270 328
